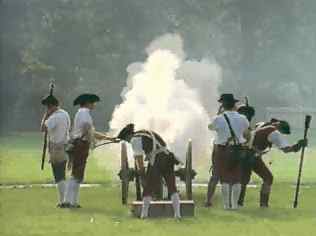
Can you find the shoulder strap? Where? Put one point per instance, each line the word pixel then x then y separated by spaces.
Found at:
pixel 235 139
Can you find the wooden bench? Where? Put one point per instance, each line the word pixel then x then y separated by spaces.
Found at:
pixel 163 209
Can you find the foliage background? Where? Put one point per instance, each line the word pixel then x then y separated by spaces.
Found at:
pixel 266 49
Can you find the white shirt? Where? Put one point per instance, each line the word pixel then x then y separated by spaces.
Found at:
pixel 82 122
pixel 137 146
pixel 277 139
pixel 238 122
pixel 58 126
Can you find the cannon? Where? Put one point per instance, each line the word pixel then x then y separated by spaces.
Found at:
pixel 127 175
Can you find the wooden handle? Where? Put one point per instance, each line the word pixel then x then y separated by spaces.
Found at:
pixel 308 119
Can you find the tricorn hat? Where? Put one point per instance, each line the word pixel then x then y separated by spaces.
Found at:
pixel 247 111
pixel 50 100
pixel 284 127
pixel 227 98
pixel 86 98
pixel 126 131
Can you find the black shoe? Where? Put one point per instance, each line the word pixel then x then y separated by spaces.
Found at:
pixel 74 206
pixel 65 205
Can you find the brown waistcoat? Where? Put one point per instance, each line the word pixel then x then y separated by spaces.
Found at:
pixel 261 141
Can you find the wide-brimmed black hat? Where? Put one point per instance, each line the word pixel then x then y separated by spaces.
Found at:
pixel 247 111
pixel 126 131
pixel 50 100
pixel 227 98
pixel 284 127
pixel 86 98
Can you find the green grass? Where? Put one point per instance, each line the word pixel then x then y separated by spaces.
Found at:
pixel 20 156
pixel 31 211
pixel 20 159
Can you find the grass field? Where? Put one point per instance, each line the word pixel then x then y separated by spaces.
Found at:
pixel 31 211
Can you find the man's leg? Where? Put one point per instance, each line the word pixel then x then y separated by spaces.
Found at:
pixel 213 181
pixel 245 179
pixel 235 195
pixel 211 187
pixel 170 180
pixel 166 169
pixel 175 198
pixel 226 190
pixel 152 180
pixel 59 169
pixel 77 175
pixel 265 174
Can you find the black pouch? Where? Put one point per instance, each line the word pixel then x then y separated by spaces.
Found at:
pixel 236 154
pixel 249 159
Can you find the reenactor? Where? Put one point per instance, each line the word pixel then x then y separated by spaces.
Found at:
pixel 56 122
pixel 231 129
pixel 161 163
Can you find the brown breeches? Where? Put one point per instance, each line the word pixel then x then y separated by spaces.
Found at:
pixel 227 170
pixel 78 157
pixel 163 167
pixel 261 170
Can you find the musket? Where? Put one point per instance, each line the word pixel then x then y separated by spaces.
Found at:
pixel 247 101
pixel 51 90
pixel 308 119
pixel 115 140
pixel 220 110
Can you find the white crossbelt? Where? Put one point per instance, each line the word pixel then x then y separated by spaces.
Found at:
pixel 157 148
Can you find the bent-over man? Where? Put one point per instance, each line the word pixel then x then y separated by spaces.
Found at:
pixel 263 138
pixel 161 163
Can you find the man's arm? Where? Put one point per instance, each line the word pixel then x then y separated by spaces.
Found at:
pixel 279 141
pixel 296 147
pixel 213 125
pixel 101 136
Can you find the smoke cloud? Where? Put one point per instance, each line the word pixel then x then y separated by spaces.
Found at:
pixel 171 95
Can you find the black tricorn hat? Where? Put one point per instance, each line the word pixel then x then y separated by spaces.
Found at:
pixel 248 111
pixel 86 98
pixel 50 100
pixel 284 127
pixel 126 131
pixel 227 98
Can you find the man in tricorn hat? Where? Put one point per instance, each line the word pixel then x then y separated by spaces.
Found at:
pixel 249 113
pixel 161 163
pixel 56 122
pixel 83 136
pixel 230 128
pixel 262 139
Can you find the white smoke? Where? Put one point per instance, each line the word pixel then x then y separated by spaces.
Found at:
pixel 171 95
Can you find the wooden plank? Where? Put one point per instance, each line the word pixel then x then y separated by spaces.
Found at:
pixel 163 209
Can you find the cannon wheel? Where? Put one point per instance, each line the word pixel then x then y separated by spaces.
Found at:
pixel 124 171
pixel 188 171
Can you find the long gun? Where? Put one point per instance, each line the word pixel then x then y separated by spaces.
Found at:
pixel 247 101
pixel 51 90
pixel 308 119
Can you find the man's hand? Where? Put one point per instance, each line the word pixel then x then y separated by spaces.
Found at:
pixel 296 147
pixel 303 143
pixel 46 115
